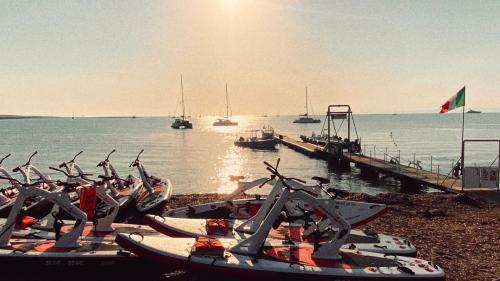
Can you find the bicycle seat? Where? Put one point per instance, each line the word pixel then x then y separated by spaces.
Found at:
pixel 321 180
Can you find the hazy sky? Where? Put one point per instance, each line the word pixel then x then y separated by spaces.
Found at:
pixel 125 57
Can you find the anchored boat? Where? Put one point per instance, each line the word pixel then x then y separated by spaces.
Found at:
pixel 264 141
pixel 304 119
pixel 225 121
pixel 182 123
pixel 473 111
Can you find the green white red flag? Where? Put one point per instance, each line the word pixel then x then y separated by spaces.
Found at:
pixel 458 100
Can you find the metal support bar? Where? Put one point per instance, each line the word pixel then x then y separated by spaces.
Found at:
pixel 437 180
pixel 431 163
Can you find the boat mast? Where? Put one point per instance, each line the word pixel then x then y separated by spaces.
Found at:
pixel 307 110
pixel 182 99
pixel 227 105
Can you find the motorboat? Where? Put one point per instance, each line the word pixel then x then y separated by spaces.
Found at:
pixel 259 139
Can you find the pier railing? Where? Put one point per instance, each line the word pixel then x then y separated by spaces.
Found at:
pixel 415 166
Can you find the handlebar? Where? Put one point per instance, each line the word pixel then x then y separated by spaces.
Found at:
pixel 112 151
pixel 64 164
pixel 283 179
pixel 19 182
pixel 29 160
pixel 74 158
pixel 103 178
pixel 18 168
pixel 107 158
pixel 272 177
pixel 134 163
pixel 1 161
pixel 71 176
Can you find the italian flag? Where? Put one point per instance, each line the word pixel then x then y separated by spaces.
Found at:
pixel 456 101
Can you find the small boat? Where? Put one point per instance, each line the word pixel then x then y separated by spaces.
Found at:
pixel 257 257
pixel 155 192
pixel 265 141
pixel 364 240
pixel 225 121
pixel 275 261
pixel 305 119
pixel 473 111
pixel 355 212
pixel 182 123
pixel 320 139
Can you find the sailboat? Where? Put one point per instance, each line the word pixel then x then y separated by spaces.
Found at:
pixel 225 121
pixel 305 118
pixel 178 122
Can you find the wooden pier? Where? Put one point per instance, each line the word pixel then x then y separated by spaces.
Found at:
pixel 411 178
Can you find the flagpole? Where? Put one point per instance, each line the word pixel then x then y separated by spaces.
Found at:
pixel 463 148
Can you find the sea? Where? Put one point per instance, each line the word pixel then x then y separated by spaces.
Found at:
pixel 201 160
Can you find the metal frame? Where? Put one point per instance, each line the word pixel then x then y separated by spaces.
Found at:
pixel 345 110
pixel 328 250
pixel 69 240
pixel 463 157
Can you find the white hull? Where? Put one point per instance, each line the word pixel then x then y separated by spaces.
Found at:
pixel 355 265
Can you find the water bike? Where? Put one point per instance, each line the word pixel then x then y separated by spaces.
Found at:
pixel 357 213
pixel 35 206
pixel 258 257
pixel 295 215
pixel 155 192
pixel 8 194
pixel 71 245
pixel 125 190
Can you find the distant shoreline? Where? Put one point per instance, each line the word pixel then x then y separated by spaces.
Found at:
pixel 10 117
pixel 4 117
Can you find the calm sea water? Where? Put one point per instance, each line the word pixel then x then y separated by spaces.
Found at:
pixel 201 160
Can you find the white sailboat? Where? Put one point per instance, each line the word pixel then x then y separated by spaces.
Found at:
pixel 225 121
pixel 303 119
pixel 182 123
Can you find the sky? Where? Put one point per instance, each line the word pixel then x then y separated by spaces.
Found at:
pixel 122 58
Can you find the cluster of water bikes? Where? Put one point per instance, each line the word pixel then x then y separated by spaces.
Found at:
pixel 296 231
